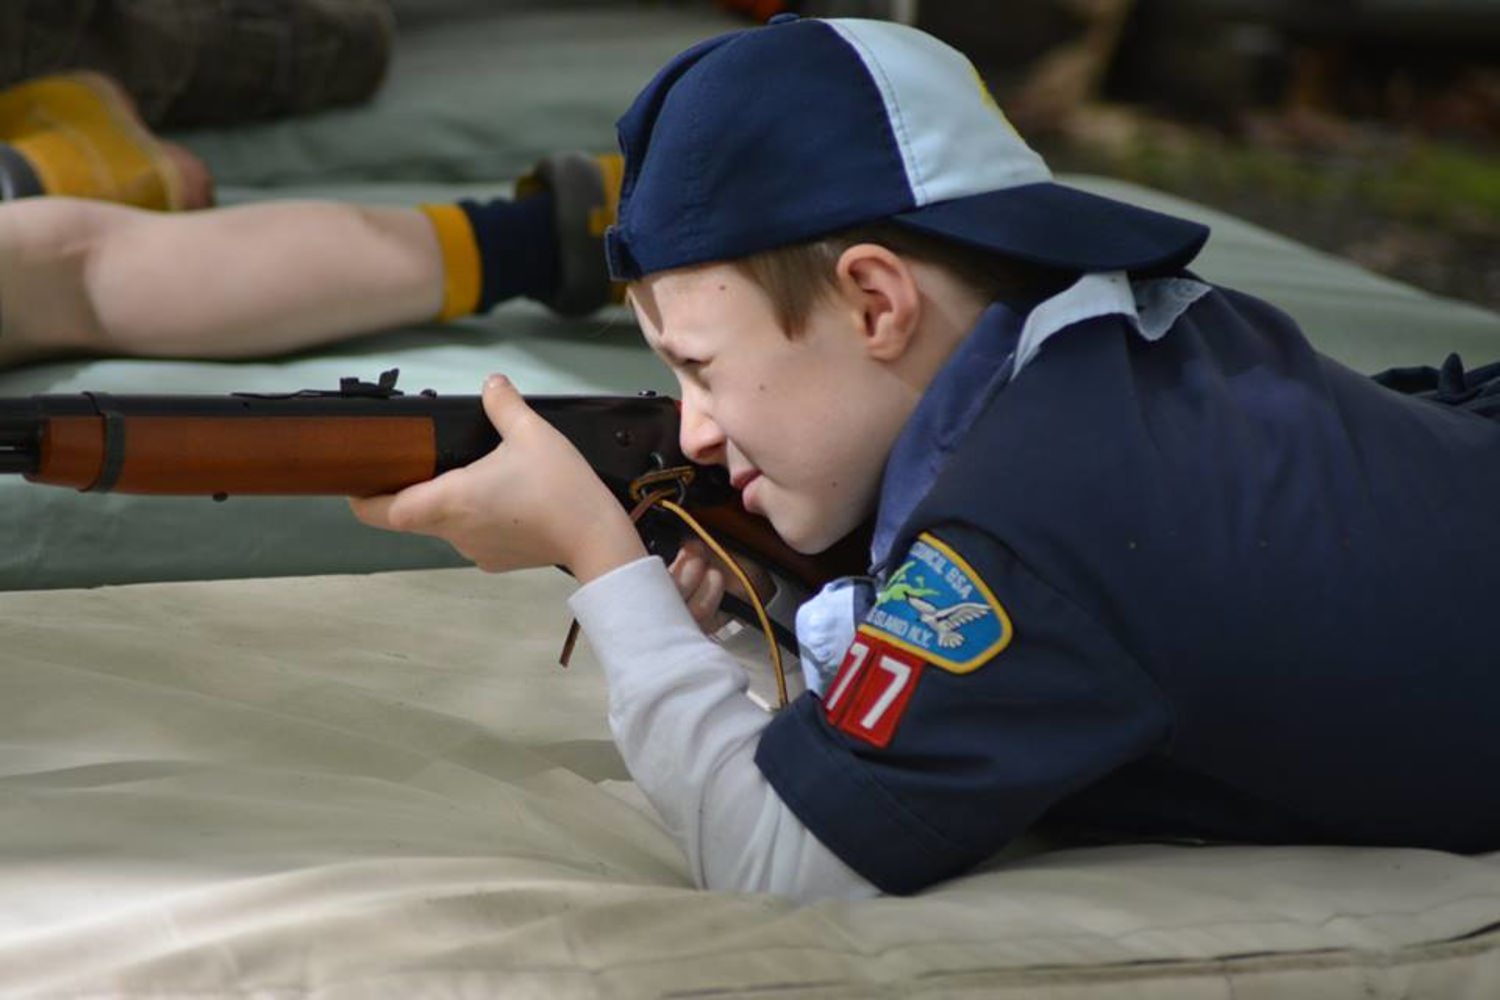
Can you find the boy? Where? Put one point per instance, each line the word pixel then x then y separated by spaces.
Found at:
pixel 1143 561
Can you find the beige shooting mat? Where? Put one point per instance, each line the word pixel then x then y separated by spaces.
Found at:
pixel 384 786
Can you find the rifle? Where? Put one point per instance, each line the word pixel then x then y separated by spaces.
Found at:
pixel 369 438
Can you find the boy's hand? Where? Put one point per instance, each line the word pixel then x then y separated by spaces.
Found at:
pixel 533 501
pixel 702 580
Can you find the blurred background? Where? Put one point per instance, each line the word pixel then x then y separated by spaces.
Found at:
pixel 1367 128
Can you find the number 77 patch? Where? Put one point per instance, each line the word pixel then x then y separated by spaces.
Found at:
pixel 870 693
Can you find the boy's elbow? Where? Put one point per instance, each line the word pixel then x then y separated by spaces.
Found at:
pixel 799 887
pixel 782 858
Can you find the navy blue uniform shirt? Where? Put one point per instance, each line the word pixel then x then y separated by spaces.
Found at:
pixel 1200 583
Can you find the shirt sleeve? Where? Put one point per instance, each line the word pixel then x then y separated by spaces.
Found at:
pixel 688 734
pixel 973 698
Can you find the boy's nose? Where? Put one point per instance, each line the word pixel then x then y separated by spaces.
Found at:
pixel 700 438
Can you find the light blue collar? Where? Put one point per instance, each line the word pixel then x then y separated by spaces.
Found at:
pixel 1001 344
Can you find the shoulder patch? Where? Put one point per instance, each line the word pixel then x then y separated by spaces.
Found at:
pixel 936 606
pixel 869 695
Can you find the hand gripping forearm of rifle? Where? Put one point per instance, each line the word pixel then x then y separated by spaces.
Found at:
pixel 368 438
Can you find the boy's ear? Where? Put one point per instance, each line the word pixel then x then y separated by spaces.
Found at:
pixel 883 291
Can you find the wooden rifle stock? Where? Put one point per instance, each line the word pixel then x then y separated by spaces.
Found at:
pixel 364 439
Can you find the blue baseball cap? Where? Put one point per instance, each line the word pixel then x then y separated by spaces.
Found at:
pixel 781 134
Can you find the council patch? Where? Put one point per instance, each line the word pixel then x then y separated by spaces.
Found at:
pixel 935 605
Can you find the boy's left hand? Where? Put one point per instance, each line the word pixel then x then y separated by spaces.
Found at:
pixel 533 501
pixel 703 580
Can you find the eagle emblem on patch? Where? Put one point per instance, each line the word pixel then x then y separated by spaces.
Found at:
pixel 935 605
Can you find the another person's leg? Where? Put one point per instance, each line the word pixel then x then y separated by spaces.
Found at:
pixel 82 79
pixel 187 62
pixel 82 276
pixel 90 277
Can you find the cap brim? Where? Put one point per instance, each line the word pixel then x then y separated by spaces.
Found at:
pixel 1064 227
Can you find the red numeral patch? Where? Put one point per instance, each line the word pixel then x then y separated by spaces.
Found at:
pixel 870 693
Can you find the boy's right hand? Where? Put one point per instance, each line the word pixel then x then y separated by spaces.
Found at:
pixel 533 501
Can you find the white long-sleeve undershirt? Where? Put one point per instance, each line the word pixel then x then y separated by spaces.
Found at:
pixel 688 733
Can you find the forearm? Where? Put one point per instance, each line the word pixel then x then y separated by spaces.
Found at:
pixel 255 279
pixel 688 736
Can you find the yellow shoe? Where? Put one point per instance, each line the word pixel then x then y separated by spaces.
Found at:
pixel 78 134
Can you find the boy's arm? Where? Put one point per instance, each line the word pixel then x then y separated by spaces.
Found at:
pixel 255 279
pixel 688 735
pixel 678 710
pixel 974 699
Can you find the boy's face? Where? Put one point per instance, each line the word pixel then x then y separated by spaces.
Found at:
pixel 803 424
